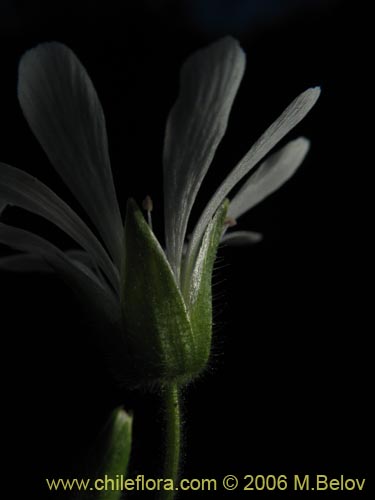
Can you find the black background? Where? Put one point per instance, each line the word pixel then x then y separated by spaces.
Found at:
pixel 287 390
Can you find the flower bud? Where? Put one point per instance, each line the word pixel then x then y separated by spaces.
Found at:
pixel 167 334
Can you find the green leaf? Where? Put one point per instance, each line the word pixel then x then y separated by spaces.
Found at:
pixel 109 458
pixel 199 287
pixel 116 458
pixel 159 337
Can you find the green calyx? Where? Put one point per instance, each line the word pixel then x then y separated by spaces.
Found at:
pixel 168 333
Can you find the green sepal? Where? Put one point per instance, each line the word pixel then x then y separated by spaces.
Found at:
pixel 199 286
pixel 159 337
pixel 108 460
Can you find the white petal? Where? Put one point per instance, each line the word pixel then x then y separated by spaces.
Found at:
pixel 24 263
pixel 84 262
pixel 293 114
pixel 89 272
pixel 61 106
pixel 196 124
pixel 21 189
pixel 240 238
pixel 80 256
pixel 97 297
pixel 272 174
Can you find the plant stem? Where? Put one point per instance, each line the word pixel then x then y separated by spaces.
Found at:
pixel 172 438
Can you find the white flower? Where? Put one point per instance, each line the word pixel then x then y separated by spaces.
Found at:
pixel 61 106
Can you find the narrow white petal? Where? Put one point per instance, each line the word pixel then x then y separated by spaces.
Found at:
pixel 21 189
pixel 89 272
pixel 62 108
pixel 272 174
pixel 99 298
pixel 197 122
pixel 241 238
pixel 82 260
pixel 24 263
pixel 293 114
pixel 81 256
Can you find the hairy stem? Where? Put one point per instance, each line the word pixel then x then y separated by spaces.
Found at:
pixel 172 438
